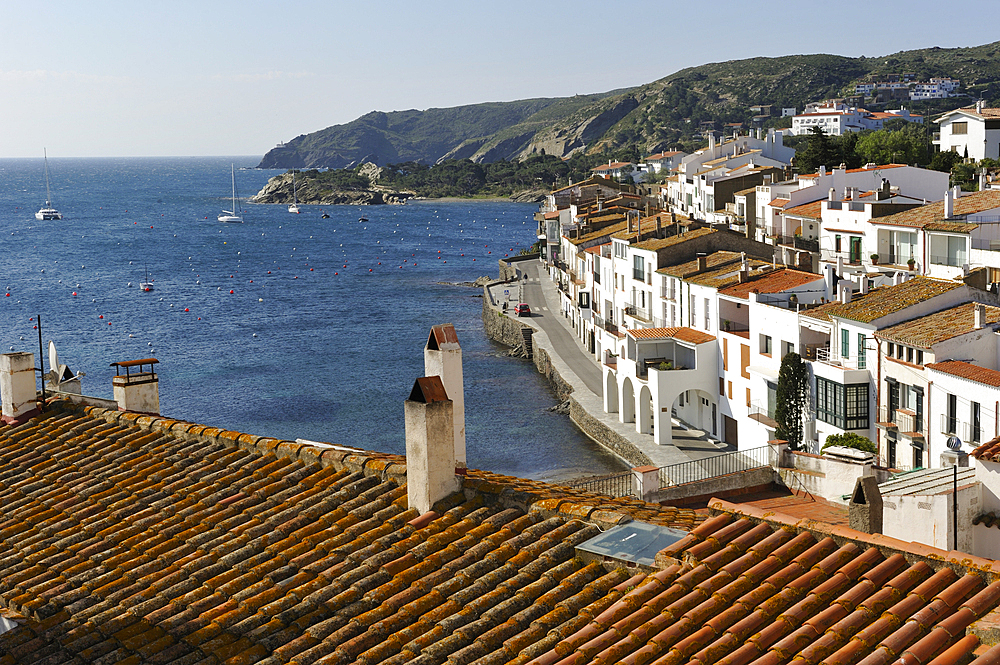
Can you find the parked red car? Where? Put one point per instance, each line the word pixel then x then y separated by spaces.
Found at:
pixel 522 309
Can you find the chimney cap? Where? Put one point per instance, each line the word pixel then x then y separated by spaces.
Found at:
pixel 427 389
pixel 442 337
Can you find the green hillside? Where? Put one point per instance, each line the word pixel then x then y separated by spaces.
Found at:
pixel 665 114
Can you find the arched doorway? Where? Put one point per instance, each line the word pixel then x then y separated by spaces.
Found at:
pixel 628 402
pixel 645 424
pixel 610 393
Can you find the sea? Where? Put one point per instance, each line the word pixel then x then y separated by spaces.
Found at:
pixel 289 326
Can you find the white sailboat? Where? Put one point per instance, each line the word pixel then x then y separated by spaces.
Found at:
pixel 48 212
pixel 294 206
pixel 234 216
pixel 146 284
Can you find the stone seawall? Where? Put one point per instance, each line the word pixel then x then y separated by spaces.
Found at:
pixel 507 331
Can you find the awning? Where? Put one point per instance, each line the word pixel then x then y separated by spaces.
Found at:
pixel 763 372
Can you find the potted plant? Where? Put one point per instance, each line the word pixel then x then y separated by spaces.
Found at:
pixel 874 258
pixel 911 263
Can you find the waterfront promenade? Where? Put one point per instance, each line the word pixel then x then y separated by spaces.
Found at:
pixel 580 370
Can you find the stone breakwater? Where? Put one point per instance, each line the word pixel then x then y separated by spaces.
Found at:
pixel 508 331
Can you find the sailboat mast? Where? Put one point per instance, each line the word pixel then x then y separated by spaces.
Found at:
pixel 48 194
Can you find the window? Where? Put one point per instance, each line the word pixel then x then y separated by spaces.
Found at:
pixel 845 343
pixel 836 243
pixel 789 348
pixel 708 321
pixel 920 357
pixel 960 128
pixel 638 268
pixel 951 419
pixel 975 429
pixel 909 354
pixel 765 344
pixel 862 360
pixel 691 304
pixel 845 407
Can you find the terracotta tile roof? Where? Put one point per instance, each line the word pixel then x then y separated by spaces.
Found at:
pixel 811 210
pixel 661 243
pixel 779 202
pixel 713 260
pixel 964 370
pixel 129 539
pixel 603 232
pixel 684 334
pixel 753 587
pixel 663 155
pixel 552 214
pixel 884 300
pixel 930 329
pixel 971 110
pixel 932 214
pixel 776 281
pixel 881 167
pixel 989 451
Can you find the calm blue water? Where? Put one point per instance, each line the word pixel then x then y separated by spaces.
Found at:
pixel 323 333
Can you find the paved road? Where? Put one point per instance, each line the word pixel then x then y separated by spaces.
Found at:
pixel 542 296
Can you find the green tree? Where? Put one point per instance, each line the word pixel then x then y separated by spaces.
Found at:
pixel 791 399
pixel 818 152
pixel 906 145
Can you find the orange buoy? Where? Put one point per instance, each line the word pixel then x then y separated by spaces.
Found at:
pixel 101 316
pixel 186 309
pixel 230 290
pixel 74 293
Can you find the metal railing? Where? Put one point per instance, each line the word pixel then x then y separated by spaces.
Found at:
pixel 761 409
pixel 806 244
pixel 616 485
pixel 638 312
pixel 948 260
pixel 834 358
pixel 717 465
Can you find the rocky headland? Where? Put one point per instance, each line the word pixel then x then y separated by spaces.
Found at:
pixel 312 191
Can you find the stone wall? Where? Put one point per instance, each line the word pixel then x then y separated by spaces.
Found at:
pixel 508 266
pixel 605 436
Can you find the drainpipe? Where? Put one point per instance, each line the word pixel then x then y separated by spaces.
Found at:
pixel 878 396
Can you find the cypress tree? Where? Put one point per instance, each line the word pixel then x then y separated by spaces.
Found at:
pixel 790 399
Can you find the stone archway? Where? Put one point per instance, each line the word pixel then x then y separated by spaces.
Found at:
pixel 628 402
pixel 644 423
pixel 610 393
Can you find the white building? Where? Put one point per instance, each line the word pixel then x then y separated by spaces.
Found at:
pixel 972 131
pixel 837 118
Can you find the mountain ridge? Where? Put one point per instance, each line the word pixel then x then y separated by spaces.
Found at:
pixel 663 114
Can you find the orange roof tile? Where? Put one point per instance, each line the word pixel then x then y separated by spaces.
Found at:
pixel 884 300
pixel 776 281
pixel 812 210
pixel 964 370
pixel 931 216
pixel 684 334
pixel 930 329
pixel 168 542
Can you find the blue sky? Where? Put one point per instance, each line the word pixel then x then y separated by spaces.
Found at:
pixel 105 78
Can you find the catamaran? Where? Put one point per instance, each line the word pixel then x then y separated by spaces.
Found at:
pixel 234 216
pixel 48 212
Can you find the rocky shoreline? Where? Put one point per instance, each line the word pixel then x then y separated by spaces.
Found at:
pixel 279 190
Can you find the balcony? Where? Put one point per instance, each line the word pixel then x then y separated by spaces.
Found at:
pixel 891 259
pixel 667 294
pixel 886 420
pixel 954 261
pixel 811 351
pixel 831 357
pixel 763 413
pixel 806 244
pixel 639 313
pixel 910 424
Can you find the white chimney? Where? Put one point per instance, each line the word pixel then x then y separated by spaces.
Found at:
pixel 17 387
pixel 833 195
pixel 948 205
pixel 864 285
pixel 137 390
pixel 956 192
pixel 845 291
pixel 443 357
pixel 430 446
pixel 979 316
pixel 822 170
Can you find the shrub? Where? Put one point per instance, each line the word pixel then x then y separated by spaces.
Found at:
pixel 851 440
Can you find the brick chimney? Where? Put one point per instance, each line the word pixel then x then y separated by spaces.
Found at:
pixel 17 387
pixel 443 358
pixel 138 389
pixel 430 444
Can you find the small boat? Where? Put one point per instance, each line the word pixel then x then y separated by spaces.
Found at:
pixel 325 216
pixel 48 212
pixel 294 206
pixel 362 219
pixel 146 284
pixel 234 216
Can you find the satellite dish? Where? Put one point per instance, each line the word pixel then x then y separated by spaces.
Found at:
pixel 954 443
pixel 53 356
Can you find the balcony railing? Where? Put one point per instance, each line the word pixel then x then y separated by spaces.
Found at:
pixel 806 244
pixel 638 313
pixel 832 357
pixel 909 423
pixel 949 260
pixel 666 294
pixel 892 259
pixel 716 465
pixel 637 273
pixel 616 485
pixel 811 351
pixel 763 413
